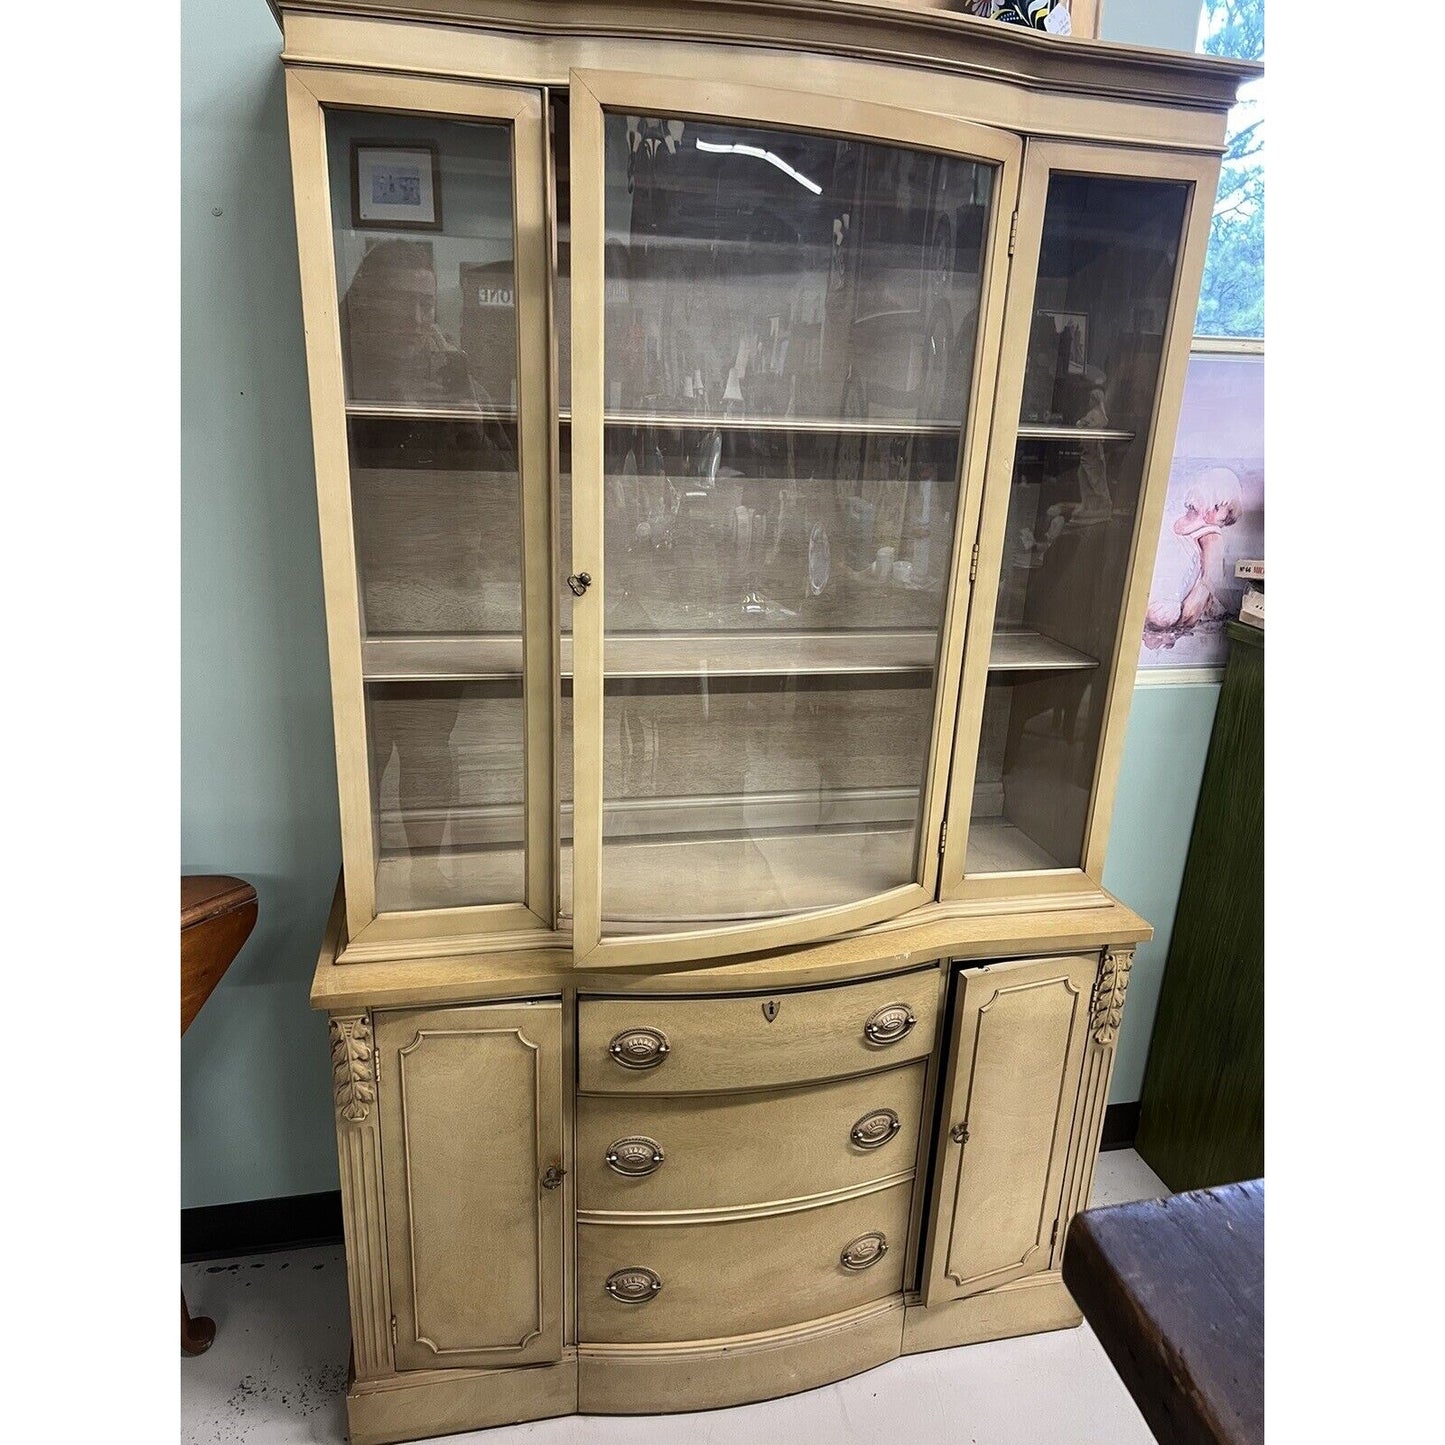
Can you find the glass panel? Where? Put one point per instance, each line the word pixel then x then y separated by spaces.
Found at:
pixel 422 211
pixel 790 327
pixel 1106 275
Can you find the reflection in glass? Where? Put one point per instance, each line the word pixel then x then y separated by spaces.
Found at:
pixel 789 344
pixel 429 354
pixel 1106 278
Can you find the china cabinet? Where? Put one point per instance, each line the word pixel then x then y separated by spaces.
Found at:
pixel 740 438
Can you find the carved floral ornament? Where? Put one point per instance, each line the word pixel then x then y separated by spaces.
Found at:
pixel 352 1069
pixel 1109 992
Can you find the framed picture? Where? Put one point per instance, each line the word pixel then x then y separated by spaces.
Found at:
pixel 396 186
pixel 1072 330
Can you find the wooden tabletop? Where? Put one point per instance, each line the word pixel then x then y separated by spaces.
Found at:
pixel 1174 1290
pixel 218 913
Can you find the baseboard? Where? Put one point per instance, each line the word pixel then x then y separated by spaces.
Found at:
pixel 257 1226
pixel 1121 1126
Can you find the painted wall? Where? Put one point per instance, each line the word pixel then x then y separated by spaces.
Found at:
pixel 1159 781
pixel 1169 24
pixel 258 781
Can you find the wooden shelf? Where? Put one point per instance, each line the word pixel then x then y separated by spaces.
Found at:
pixel 997 846
pixel 1037 432
pixel 457 411
pixel 681 421
pixel 710 654
pixel 1020 649
pixel 786 870
pixel 698 654
pixel 826 426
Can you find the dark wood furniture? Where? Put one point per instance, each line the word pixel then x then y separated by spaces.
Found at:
pixel 1201 1109
pixel 1174 1290
pixel 217 915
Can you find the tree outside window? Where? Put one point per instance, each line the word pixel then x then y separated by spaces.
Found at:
pixel 1231 300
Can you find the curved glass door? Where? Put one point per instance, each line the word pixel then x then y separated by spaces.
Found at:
pixel 789 328
pixel 1100 290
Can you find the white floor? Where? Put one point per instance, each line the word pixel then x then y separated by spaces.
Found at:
pixel 277 1374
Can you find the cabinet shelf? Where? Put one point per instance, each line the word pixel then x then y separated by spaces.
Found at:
pixel 682 421
pixel 1037 432
pixel 753 654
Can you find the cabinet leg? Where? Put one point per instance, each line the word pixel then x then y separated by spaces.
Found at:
pixel 196 1334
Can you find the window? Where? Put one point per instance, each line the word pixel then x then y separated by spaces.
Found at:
pixel 1231 300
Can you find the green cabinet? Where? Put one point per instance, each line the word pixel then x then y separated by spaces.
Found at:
pixel 1201 1115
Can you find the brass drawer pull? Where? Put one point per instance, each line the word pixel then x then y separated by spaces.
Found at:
pixel 889 1024
pixel 633 1286
pixel 639 1048
pixel 634 1156
pixel 874 1130
pixel 865 1251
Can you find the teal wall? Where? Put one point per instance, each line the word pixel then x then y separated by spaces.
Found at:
pixel 258 783
pixel 1153 816
pixel 1169 24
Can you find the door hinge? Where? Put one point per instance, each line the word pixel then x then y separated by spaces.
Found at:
pixel 1013 232
pixel 973 563
pixel 943 836
pixel 393 1335
pixel 376 1063
pixel 1054 1237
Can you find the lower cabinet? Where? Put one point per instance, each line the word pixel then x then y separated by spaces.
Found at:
pixel 1014 1068
pixel 731 1204
pixel 471 1123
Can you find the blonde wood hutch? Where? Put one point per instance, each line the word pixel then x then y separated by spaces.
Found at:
pixel 741 432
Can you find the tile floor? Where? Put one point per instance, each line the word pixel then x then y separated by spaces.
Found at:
pixel 277 1374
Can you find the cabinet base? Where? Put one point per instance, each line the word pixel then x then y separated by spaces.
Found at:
pixel 654 1379
pixel 421 1403
pixel 1025 1307
pixel 663 1379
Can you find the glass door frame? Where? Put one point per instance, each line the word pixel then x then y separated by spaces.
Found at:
pixel 701 96
pixel 1042 159
pixel 310 91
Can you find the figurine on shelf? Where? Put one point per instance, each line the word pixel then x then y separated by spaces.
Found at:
pixel 1213 502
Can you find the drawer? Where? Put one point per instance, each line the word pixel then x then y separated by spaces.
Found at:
pixel 723 1150
pixel 707 1281
pixel 756 1041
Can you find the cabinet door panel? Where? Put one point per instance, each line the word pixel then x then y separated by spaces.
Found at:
pixel 783 334
pixel 471 1109
pixel 1101 300
pixel 1013 1075
pixel 420 208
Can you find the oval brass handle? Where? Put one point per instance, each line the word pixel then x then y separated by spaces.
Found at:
pixel 554 1176
pixel 634 1156
pixel 639 1048
pixel 632 1286
pixel 874 1130
pixel 865 1251
pixel 889 1024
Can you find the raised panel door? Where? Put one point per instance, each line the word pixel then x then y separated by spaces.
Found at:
pixel 471 1121
pixel 1012 1078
